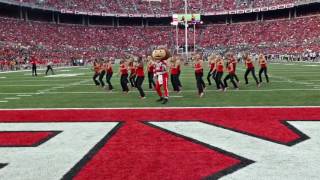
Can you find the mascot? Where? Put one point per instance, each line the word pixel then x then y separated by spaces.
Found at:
pixel 161 55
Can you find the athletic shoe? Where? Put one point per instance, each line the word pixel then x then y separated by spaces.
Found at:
pixel 237 89
pixel 225 89
pixel 143 97
pixel 165 100
pixel 161 99
pixel 201 95
pixel 259 85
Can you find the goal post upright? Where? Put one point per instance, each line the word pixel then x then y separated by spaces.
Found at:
pixel 186 29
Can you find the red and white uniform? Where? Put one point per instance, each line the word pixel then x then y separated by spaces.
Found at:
pixel 161 74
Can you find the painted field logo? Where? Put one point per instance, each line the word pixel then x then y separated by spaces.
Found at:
pixel 160 143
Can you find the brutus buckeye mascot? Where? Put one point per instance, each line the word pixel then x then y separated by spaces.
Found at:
pixel 161 55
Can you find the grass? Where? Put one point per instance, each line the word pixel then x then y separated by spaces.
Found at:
pixel 294 84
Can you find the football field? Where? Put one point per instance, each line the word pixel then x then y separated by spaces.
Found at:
pixel 292 84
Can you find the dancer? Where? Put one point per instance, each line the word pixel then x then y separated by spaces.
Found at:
pixel 250 69
pixel 263 68
pixel 211 62
pixel 96 69
pixel 219 68
pixel 123 71
pixel 232 59
pixel 174 71
pixel 198 68
pixel 152 84
pixel 109 73
pixel 140 78
pixel 231 74
pixel 132 77
pixel 102 72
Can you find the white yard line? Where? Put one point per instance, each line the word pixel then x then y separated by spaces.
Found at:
pixel 24 95
pixel 12 98
pixel 39 69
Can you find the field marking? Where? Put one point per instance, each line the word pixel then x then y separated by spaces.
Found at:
pixel 3 77
pixel 64 75
pixel 39 69
pixel 12 98
pixel 47 91
pixel 24 95
pixel 3 101
pixel 146 108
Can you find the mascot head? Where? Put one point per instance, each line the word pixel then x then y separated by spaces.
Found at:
pixel 161 54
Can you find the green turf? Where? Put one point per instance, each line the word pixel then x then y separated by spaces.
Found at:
pixel 291 85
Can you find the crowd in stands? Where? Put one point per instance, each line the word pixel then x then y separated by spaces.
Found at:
pixel 154 6
pixel 62 43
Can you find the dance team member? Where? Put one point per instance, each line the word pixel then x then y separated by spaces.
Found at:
pixel 198 69
pixel 174 73
pixel 123 71
pixel 263 68
pixel 96 69
pixel 219 68
pixel 109 70
pixel 150 69
pixel 140 78
pixel 250 69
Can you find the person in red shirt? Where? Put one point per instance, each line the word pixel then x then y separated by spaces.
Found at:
pixel 198 68
pixel 232 59
pixel 219 68
pixel 178 62
pixel 34 62
pixel 250 69
pixel 102 72
pixel 231 74
pixel 140 78
pixel 174 71
pixel 132 77
pixel 96 69
pixel 263 68
pixel 123 70
pixel 150 72
pixel 211 73
pixel 109 74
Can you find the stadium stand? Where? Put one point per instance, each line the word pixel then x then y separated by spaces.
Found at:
pixel 154 7
pixel 65 42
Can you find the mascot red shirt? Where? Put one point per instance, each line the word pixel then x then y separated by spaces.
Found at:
pixel 161 73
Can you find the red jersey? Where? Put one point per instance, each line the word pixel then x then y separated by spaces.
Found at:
pixel 96 68
pixel 140 72
pixel 198 68
pixel 123 69
pixel 150 68
pixel 250 65
pixel 132 70
pixel 179 69
pixel 174 70
pixel 109 69
pixel 212 65
pixel 231 69
pixel 234 64
pixel 33 61
pixel 220 67
pixel 263 64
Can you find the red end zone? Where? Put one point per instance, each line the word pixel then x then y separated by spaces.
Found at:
pixel 137 150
